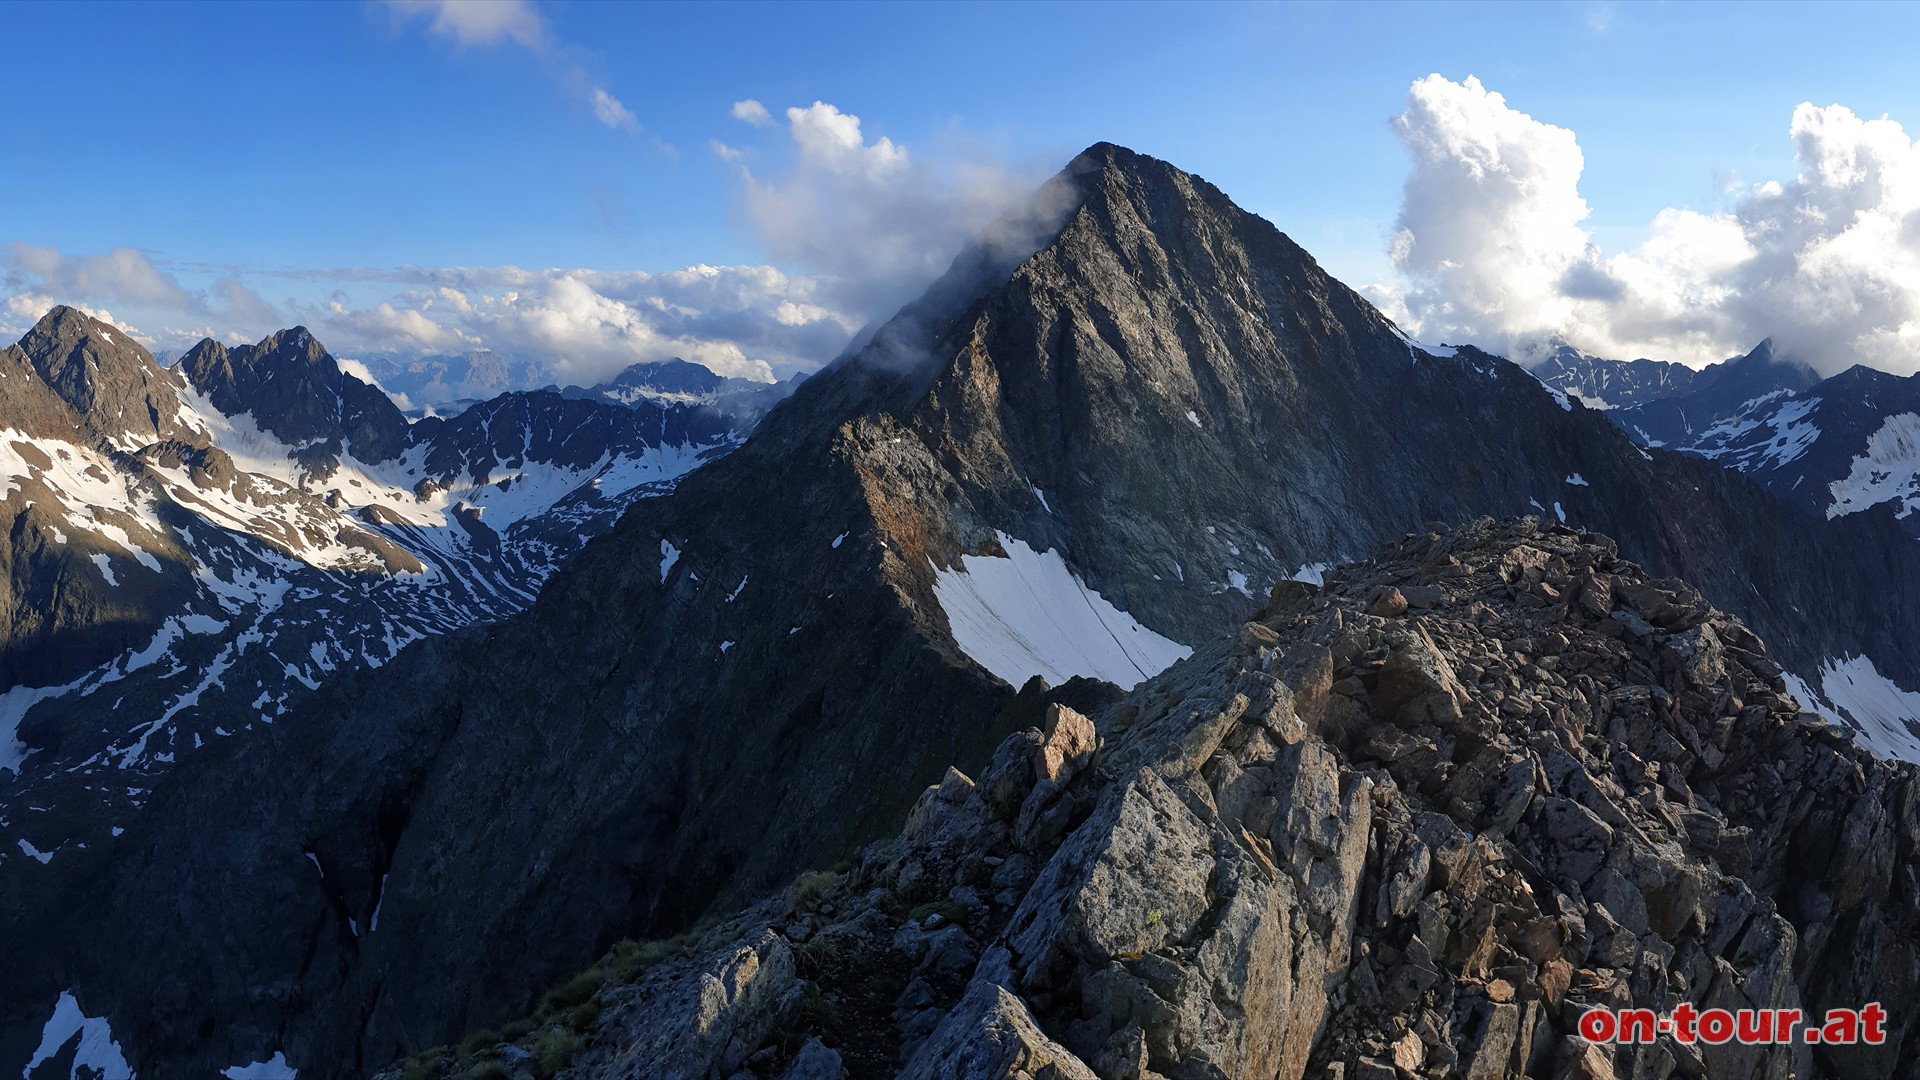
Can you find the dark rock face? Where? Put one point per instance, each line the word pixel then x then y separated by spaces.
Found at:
pixel 760 672
pixel 76 393
pixel 293 388
pixel 117 393
pixel 1422 844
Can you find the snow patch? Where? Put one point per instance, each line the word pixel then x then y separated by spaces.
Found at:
pixel 13 708
pixel 668 556
pixel 1439 352
pixel 1889 470
pixel 97 1050
pixel 1314 574
pixel 31 852
pixel 1028 614
pixel 274 1068
pixel 1576 480
pixel 1882 717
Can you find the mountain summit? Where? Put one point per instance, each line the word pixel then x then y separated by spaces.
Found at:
pixel 1094 447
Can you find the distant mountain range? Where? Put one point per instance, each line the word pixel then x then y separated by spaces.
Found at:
pixel 446 384
pixel 1834 447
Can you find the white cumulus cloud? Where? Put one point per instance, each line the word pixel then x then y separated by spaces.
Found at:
pixel 753 113
pixel 123 276
pixel 1492 245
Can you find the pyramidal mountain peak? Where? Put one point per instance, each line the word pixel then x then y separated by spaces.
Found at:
pixel 1021 526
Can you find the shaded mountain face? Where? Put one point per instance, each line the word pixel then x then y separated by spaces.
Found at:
pixel 293 390
pixel 1840 447
pixel 1090 449
pixel 210 539
pixel 1417 823
pixel 1613 384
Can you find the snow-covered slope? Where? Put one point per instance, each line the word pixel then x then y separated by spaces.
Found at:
pixel 1886 471
pixel 1840 446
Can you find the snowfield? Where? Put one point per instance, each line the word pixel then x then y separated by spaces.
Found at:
pixel 1029 614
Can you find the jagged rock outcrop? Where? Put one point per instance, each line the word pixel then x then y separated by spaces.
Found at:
pixel 1416 845
pixel 290 386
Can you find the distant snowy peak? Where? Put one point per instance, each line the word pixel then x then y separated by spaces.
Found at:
pixel 287 409
pixel 677 382
pixel 1612 384
pixel 442 382
pixel 1716 394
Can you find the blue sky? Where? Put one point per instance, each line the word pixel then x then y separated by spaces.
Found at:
pixel 305 151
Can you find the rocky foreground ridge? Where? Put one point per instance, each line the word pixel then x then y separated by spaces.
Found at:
pixel 1413 823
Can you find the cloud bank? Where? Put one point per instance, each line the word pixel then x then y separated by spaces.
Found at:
pixel 753 322
pixel 1491 245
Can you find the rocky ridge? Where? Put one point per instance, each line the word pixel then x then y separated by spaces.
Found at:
pixel 1412 824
